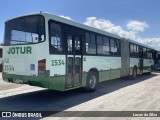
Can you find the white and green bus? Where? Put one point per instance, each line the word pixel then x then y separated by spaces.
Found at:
pixel 53 52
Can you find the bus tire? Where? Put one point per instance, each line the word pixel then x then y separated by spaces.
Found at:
pixel 91 81
pixel 151 69
pixel 134 73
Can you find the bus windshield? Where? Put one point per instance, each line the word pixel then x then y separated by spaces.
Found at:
pixel 25 30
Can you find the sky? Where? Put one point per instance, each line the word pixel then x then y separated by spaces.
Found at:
pixel 138 20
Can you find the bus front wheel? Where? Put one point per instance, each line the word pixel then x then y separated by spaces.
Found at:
pixel 91 82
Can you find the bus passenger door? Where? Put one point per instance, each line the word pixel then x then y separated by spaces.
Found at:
pixel 141 60
pixel 74 61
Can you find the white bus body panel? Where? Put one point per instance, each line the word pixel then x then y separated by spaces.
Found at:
pixel 56 69
pixel 134 62
pixel 22 62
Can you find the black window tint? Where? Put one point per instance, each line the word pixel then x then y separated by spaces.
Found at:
pixel 134 50
pixel 102 45
pixel 100 49
pixel 77 43
pixel 24 30
pixel 99 40
pixel 144 53
pixel 90 44
pixel 117 44
pixel 87 36
pixel 114 46
pixel 0 53
pixel 55 35
pixel 149 53
pixel 93 39
pixel 106 41
pixel 131 48
pixel 91 49
pixel 137 49
pixel 69 42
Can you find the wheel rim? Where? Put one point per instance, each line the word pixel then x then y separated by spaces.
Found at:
pixel 92 81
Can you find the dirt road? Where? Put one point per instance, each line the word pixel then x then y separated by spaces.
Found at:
pixel 141 94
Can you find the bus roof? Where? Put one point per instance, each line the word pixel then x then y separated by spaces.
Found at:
pixel 82 26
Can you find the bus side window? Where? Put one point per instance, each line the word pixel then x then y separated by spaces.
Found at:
pixel 69 41
pixel 144 52
pixel 134 50
pixel 55 36
pixel 90 43
pixel 106 45
pixel 102 45
pixel 115 47
pixel 0 53
pixel 149 53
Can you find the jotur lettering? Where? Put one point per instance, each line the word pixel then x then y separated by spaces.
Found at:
pixel 20 50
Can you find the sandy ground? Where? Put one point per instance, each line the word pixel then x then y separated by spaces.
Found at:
pixel 141 94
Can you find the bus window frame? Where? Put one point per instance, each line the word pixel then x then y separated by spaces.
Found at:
pixel 44 23
pixel 63 38
pixel 109 37
pixel 136 53
pixel 115 46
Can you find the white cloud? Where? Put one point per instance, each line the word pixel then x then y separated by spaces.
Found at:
pixel 153 42
pixel 65 17
pixel 134 27
pixel 108 26
pixel 137 25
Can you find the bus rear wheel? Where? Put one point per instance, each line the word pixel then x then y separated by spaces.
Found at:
pixel 151 70
pixel 134 73
pixel 91 82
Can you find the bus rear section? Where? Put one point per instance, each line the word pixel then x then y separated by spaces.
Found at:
pixel 24 60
